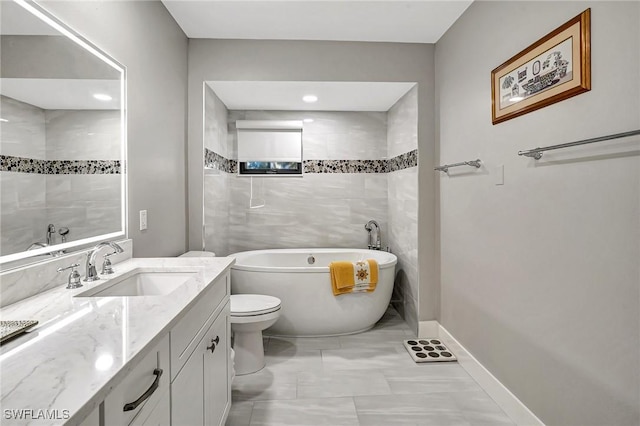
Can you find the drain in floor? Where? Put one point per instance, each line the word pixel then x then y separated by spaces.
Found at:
pixel 428 350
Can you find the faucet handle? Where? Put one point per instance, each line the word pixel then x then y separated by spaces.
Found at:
pixel 107 268
pixel 75 265
pixel 74 276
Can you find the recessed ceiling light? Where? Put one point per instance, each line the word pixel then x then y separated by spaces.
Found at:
pixel 310 98
pixel 4 120
pixel 102 97
pixel 308 120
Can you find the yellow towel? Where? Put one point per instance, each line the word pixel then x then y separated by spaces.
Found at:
pixel 353 277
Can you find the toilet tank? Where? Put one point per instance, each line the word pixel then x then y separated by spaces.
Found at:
pixel 198 254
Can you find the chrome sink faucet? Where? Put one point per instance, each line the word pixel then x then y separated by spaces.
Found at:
pixel 92 274
pixel 369 228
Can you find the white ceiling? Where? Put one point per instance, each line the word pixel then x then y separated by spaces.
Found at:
pixel 287 95
pixel 50 93
pixel 417 21
pixel 62 93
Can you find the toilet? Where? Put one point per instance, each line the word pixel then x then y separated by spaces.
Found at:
pixel 195 253
pixel 250 315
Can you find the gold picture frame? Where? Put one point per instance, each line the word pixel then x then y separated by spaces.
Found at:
pixel 555 68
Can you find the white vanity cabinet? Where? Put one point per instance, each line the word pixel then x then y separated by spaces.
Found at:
pixel 201 388
pixel 194 387
pixel 142 397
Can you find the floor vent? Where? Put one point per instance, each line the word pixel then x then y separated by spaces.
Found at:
pixel 428 350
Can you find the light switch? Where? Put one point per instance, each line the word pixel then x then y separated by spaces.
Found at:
pixel 499 173
pixel 143 220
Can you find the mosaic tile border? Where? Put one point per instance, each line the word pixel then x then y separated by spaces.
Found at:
pixel 213 160
pixel 345 166
pixel 9 163
pixel 403 161
pixel 399 162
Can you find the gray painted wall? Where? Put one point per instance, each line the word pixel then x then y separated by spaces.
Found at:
pixel 146 40
pixel 211 60
pixel 32 56
pixel 540 277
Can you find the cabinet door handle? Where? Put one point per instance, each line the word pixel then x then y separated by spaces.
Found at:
pixel 214 342
pixel 133 405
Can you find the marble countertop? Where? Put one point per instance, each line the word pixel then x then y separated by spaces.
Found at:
pixel 83 346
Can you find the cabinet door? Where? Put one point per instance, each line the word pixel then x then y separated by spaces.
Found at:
pixel 201 392
pixel 187 334
pixel 187 393
pixel 217 386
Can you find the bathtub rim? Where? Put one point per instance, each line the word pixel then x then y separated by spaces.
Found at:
pixel 303 269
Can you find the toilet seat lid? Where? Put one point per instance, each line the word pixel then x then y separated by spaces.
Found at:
pixel 243 305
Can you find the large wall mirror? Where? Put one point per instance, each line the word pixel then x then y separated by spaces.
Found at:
pixel 62 138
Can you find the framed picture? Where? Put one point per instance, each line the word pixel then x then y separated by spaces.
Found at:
pixel 556 67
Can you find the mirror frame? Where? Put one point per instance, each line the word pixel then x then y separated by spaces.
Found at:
pixel 16 260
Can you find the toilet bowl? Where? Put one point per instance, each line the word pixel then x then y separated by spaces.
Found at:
pixel 250 315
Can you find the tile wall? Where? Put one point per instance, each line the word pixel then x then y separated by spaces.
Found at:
pixel 357 166
pixel 22 195
pixel 321 209
pixel 88 201
pixel 218 175
pixel 60 167
pixel 402 137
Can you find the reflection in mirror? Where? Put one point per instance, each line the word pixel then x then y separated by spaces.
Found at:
pixel 62 143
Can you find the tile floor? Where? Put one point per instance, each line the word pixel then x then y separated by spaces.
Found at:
pixel 361 379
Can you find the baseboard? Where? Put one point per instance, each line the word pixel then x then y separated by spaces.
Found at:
pixel 509 403
pixel 428 329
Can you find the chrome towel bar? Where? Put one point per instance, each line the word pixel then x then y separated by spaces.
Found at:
pixel 537 152
pixel 472 163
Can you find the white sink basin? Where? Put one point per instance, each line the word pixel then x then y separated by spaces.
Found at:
pixel 140 283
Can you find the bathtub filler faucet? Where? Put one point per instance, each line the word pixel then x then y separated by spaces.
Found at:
pixel 369 228
pixel 51 233
pixel 92 274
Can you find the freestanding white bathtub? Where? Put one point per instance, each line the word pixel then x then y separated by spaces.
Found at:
pixel 300 279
